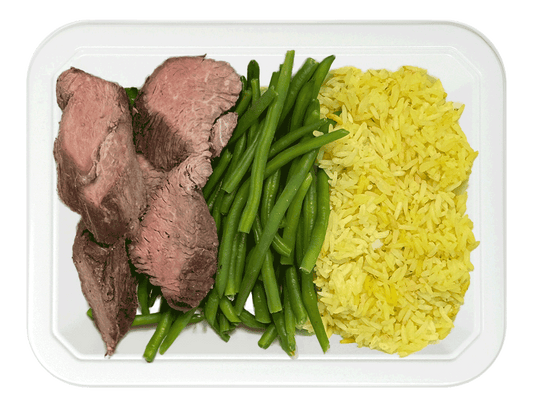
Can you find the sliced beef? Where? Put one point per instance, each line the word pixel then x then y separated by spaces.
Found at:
pixel 222 131
pixel 153 177
pixel 178 105
pixel 108 284
pixel 99 176
pixel 177 242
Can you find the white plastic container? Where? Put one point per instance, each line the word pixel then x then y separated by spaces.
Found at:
pixel 64 339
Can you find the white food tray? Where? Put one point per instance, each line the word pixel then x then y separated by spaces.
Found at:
pixel 66 342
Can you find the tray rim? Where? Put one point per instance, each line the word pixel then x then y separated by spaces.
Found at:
pixel 64 26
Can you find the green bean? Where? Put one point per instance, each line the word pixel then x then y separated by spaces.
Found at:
pixel 149 319
pixel 300 78
pixel 218 172
pixel 234 179
pixel 279 245
pixel 251 321
pixel 211 314
pixel 271 285
pixel 302 237
pixel 256 95
pixel 293 216
pixel 167 317
pixel 299 248
pixel 211 307
pixel 309 210
pixel 302 147
pixel 268 336
pixel 227 200
pixel 223 324
pixel 240 148
pixel 216 213
pixel 274 78
pixel 325 127
pixel 290 322
pixel 286 345
pixel 320 74
pixel 154 294
pixel 217 205
pixel 293 167
pixel 241 239
pixel 252 136
pixel 132 93
pixel 265 140
pixel 270 191
pixel 270 229
pixel 252 71
pixel 310 302
pixel 319 230
pixel 293 290
pixel 179 324
pixel 244 86
pixel 196 318
pixel 227 309
pixel 272 183
pixel 223 335
pixel 254 112
pixel 268 273
pixel 312 113
pixel 231 288
pixel 259 300
pixel 278 273
pixel 228 236
pixel 243 104
pixel 291 137
pixel 142 295
pixel 244 83
pixel 300 106
pixel 213 196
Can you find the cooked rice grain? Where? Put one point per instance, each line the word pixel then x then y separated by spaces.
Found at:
pixel 395 264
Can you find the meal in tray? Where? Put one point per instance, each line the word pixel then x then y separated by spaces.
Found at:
pixel 329 201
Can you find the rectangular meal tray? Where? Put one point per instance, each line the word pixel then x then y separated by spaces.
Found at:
pixel 66 342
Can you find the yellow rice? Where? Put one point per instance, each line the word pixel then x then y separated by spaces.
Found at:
pixel 395 264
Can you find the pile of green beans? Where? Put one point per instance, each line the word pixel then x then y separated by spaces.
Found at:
pixel 270 203
pixel 273 193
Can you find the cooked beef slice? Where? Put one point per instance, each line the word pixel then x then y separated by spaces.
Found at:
pixel 153 178
pixel 222 131
pixel 178 105
pixel 177 243
pixel 108 284
pixel 99 176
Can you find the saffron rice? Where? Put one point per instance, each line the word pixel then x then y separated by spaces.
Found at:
pixel 395 264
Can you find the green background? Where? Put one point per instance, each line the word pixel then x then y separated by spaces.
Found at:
pixel 24 24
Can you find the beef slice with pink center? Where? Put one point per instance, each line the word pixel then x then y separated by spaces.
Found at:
pixel 177 108
pixel 98 175
pixel 177 243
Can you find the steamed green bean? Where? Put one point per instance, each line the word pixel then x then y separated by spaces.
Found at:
pixel 218 172
pixel 179 324
pixel 320 227
pixel 261 154
pixel 270 229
